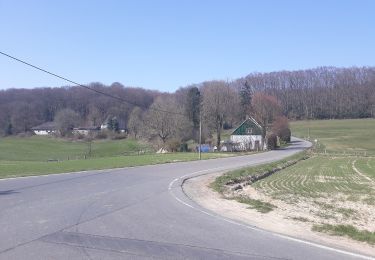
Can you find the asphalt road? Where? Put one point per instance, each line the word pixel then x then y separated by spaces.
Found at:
pixel 136 213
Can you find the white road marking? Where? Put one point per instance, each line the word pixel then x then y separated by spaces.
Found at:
pixel 182 178
pixel 170 186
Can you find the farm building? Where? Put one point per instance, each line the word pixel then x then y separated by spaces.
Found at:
pixel 248 136
pixel 47 128
pixel 86 130
pixel 109 124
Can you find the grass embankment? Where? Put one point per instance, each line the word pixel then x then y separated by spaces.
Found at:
pixel 347 230
pixel 258 205
pixel 236 179
pixel 27 168
pixel 334 192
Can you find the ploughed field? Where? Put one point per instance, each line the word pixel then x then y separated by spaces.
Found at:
pixel 322 176
pixel 332 191
pixel 335 195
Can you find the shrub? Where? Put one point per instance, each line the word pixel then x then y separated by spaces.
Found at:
pixel 25 134
pixel 272 143
pixel 184 147
pixel 285 135
pixel 281 128
pixel 173 145
pixel 79 136
pixel 118 136
pixel 101 135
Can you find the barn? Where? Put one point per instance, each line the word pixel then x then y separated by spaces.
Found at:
pixel 248 136
pixel 47 128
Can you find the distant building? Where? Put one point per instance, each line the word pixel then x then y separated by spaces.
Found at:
pixel 106 125
pixel 248 136
pixel 47 128
pixel 86 130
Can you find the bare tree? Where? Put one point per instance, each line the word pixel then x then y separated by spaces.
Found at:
pixel 160 123
pixel 65 120
pixel 281 128
pixel 24 116
pixel 266 108
pixel 218 102
pixel 135 122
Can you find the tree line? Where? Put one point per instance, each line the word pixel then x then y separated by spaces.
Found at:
pixel 321 93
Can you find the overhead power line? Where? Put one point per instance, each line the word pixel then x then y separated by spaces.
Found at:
pixel 87 87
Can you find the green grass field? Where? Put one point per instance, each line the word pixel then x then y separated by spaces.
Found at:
pixel 349 136
pixel 366 166
pixel 37 155
pixel 42 148
pixel 27 168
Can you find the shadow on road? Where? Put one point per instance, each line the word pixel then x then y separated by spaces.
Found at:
pixel 7 192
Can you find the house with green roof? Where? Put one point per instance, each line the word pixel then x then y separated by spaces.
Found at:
pixel 248 136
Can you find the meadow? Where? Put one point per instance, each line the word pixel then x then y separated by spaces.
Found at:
pixel 43 148
pixel 38 155
pixel 351 136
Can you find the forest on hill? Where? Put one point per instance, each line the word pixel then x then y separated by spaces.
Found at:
pixel 320 93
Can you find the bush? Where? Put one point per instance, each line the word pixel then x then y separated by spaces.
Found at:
pixel 184 147
pixel 173 145
pixel 285 135
pixel 25 134
pixel 101 135
pixel 79 136
pixel 118 136
pixel 281 128
pixel 272 143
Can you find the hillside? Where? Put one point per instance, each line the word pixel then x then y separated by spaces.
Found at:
pixel 320 93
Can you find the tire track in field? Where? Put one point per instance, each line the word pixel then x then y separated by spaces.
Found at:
pixel 363 175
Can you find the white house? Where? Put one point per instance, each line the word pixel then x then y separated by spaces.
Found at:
pixel 248 136
pixel 47 128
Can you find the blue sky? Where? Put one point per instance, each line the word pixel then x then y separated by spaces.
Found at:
pixel 166 44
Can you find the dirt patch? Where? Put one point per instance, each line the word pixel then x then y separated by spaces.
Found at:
pixel 294 220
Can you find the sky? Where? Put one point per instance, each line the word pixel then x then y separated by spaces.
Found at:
pixel 167 44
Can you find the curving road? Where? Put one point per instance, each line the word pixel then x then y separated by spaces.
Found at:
pixel 136 213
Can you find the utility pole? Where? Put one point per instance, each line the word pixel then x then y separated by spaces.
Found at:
pixel 200 135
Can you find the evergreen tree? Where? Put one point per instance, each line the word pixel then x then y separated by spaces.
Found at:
pixel 246 94
pixel 192 106
pixel 9 129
